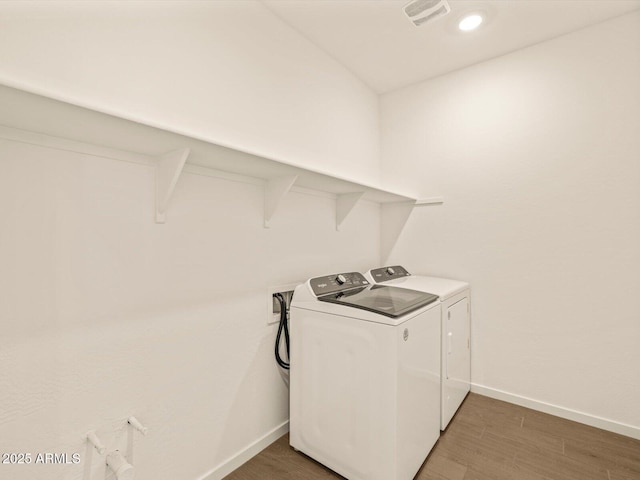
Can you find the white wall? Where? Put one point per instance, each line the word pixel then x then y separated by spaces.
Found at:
pixel 106 314
pixel 227 71
pixel 537 155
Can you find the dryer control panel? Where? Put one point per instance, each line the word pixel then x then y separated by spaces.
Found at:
pixel 384 274
pixel 337 283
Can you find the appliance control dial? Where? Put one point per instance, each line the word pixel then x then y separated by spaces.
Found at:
pixel 337 282
pixel 384 274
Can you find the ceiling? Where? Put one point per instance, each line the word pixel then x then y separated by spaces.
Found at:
pixel 377 42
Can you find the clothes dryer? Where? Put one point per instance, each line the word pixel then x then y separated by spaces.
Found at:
pixel 455 326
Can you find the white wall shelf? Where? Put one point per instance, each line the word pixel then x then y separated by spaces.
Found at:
pixel 32 118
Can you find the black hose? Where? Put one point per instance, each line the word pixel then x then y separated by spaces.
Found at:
pixel 283 326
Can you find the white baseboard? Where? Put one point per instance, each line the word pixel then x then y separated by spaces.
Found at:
pixel 230 464
pixel 569 414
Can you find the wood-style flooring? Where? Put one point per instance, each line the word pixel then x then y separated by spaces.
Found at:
pixel 487 440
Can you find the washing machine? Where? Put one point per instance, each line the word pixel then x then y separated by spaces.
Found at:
pixel 456 330
pixel 364 376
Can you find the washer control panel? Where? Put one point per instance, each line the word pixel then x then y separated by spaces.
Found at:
pixel 337 282
pixel 384 274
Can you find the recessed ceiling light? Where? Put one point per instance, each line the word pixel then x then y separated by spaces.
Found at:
pixel 470 22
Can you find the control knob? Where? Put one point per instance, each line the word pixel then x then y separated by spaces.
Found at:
pixel 390 271
pixel 341 279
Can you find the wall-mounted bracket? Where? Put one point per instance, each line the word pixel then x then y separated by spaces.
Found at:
pixel 274 191
pixel 93 439
pixel 168 169
pixel 345 203
pixel 393 218
pixel 136 425
pixel 122 469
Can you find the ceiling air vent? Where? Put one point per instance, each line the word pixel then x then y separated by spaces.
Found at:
pixel 423 11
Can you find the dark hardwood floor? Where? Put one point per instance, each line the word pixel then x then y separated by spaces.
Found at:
pixel 487 440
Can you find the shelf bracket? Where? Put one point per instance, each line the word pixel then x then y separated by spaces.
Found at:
pixel 344 205
pixel 274 191
pixel 168 169
pixel 393 218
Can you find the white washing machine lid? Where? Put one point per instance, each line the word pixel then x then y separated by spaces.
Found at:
pixel 442 287
pixel 386 300
pixel 356 298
